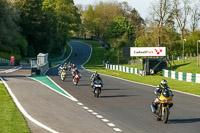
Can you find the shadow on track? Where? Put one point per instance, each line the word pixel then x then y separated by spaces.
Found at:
pixel 191 120
pixel 117 96
pixel 12 76
pixel 110 89
pixel 85 85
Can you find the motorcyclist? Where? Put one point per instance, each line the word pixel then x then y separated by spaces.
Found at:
pixel 62 67
pixel 93 75
pixel 69 63
pixel 158 91
pixel 65 64
pixel 75 72
pixel 73 66
pixel 75 54
pixel 96 77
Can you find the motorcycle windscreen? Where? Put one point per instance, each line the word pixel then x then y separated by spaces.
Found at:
pixel 98 82
pixel 166 93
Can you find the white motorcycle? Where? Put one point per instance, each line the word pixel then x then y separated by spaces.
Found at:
pixel 97 85
pixel 60 70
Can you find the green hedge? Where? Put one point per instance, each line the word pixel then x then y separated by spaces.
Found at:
pixel 8 55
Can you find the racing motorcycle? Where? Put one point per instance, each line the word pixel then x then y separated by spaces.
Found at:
pixel 63 74
pixel 163 105
pixel 73 72
pixel 60 70
pixel 97 85
pixel 69 67
pixel 76 79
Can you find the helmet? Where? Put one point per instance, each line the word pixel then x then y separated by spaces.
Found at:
pixel 163 83
pixel 95 73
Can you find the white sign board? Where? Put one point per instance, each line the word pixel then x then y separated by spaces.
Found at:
pixel 148 51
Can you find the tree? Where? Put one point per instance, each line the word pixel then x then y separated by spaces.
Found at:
pixel 120 34
pixel 47 24
pixel 31 20
pixel 162 16
pixel 125 9
pixel 96 18
pixel 195 17
pixel 10 30
pixel 120 28
pixel 90 21
pixel 181 14
pixel 137 22
pixel 191 43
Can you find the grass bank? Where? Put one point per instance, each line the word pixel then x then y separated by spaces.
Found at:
pixel 11 119
pixel 99 54
pixel 58 61
pixel 188 66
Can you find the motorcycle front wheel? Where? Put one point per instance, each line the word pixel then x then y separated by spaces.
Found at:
pixel 166 115
pixel 97 92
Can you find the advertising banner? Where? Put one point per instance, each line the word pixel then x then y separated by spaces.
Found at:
pixel 148 51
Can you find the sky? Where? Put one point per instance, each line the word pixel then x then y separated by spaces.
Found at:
pixel 140 5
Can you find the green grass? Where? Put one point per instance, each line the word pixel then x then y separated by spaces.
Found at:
pixel 99 54
pixel 56 62
pixel 134 66
pixel 11 119
pixel 189 66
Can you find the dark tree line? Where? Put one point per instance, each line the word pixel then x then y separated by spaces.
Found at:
pixel 28 27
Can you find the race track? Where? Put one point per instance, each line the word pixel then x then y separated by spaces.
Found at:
pixel 127 104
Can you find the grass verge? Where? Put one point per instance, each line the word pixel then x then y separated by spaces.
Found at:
pixel 11 119
pixel 99 54
pixel 56 62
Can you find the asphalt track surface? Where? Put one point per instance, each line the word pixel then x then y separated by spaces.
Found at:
pixel 127 104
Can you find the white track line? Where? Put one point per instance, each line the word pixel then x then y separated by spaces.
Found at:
pixel 65 59
pixel 117 129
pixel 90 110
pixel 90 53
pixel 111 124
pixel 11 70
pixel 94 113
pixel 79 103
pixel 52 89
pixel 99 116
pixel 105 120
pixel 24 111
pixel 86 108
pixel 71 97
